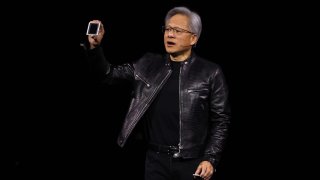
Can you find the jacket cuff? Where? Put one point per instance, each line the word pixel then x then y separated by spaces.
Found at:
pixel 211 159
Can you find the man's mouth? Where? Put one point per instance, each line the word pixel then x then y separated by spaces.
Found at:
pixel 170 43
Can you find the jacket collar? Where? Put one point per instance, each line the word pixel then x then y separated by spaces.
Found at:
pixel 189 60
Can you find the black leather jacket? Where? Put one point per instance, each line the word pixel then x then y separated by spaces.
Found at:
pixel 204 109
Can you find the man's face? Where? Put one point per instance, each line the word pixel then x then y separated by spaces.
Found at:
pixel 177 36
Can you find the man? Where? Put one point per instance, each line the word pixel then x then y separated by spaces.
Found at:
pixel 181 97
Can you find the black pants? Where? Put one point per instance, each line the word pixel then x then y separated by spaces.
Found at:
pixel 162 166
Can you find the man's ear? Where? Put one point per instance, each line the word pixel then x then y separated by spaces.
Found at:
pixel 194 39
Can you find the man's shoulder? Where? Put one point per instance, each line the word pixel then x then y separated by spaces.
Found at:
pixel 206 63
pixel 150 57
pixel 149 61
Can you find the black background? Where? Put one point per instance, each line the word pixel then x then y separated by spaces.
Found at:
pixel 65 125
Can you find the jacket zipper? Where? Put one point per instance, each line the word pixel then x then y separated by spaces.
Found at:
pixel 148 102
pixel 180 107
pixel 148 85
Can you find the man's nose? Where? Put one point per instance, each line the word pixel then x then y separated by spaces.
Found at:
pixel 171 33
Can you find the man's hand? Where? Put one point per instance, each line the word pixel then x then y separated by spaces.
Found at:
pixel 205 170
pixel 95 40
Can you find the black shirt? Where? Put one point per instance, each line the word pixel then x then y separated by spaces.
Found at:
pixel 163 123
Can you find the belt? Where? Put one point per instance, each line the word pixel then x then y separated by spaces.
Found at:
pixel 171 150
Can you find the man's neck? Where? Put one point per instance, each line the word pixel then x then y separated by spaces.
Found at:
pixel 180 57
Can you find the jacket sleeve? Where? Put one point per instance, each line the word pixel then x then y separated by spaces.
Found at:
pixel 219 118
pixel 106 72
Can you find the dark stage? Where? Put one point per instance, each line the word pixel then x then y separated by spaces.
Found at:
pixel 77 134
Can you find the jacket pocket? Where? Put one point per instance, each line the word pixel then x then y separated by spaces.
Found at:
pixel 201 94
pixel 198 90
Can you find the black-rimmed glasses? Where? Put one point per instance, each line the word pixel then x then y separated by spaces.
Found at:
pixel 175 30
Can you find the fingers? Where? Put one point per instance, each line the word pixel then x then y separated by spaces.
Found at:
pixel 94 37
pixel 95 21
pixel 205 170
pixel 206 173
